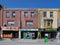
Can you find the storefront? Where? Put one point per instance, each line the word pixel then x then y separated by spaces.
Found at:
pixel 10 34
pixel 29 33
pixel 50 33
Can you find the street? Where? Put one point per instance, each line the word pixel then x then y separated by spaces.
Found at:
pixel 27 42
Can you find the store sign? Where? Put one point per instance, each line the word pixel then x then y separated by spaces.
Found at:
pixel 49 29
pixel 29 29
pixel 10 28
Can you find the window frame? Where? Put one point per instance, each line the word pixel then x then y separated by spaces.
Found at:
pixel 10 21
pixel 7 14
pixel 48 23
pixel 32 14
pixel 29 23
pixel 44 14
pixel 13 14
pixel 51 14
pixel 25 14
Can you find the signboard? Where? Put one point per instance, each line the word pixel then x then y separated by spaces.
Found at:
pixel 29 29
pixel 49 29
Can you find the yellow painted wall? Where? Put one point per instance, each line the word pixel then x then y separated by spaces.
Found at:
pixel 47 10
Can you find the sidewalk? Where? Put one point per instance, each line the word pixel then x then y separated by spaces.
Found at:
pixel 28 40
pixel 34 41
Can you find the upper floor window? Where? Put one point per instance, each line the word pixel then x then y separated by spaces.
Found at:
pixel 29 23
pixel 32 14
pixel 48 23
pixel 13 14
pixel 11 22
pixel 25 14
pixel 44 14
pixel 7 14
pixel 51 14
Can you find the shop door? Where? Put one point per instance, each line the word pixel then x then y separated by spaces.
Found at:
pixel 15 34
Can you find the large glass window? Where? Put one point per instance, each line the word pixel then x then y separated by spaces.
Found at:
pixel 51 14
pixel 29 23
pixel 32 14
pixel 25 14
pixel 11 22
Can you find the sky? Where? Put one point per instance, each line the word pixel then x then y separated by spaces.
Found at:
pixel 31 3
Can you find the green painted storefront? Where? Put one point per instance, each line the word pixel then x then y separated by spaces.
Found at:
pixel 29 33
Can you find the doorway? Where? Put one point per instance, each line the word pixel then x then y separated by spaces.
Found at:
pixel 15 34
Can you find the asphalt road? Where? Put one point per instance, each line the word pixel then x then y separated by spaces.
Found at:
pixel 27 42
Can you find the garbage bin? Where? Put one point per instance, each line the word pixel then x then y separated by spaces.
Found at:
pixel 45 39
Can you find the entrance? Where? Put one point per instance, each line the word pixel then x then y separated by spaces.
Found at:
pixel 15 34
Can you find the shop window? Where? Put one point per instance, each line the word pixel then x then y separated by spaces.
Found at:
pixel 29 23
pixel 11 22
pixel 32 14
pixel 25 14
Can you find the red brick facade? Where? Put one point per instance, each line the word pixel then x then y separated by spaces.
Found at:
pixel 19 18
pixel 29 18
pixel 16 18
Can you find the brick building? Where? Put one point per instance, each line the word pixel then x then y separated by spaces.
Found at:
pixel 10 23
pixel 16 23
pixel 29 23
